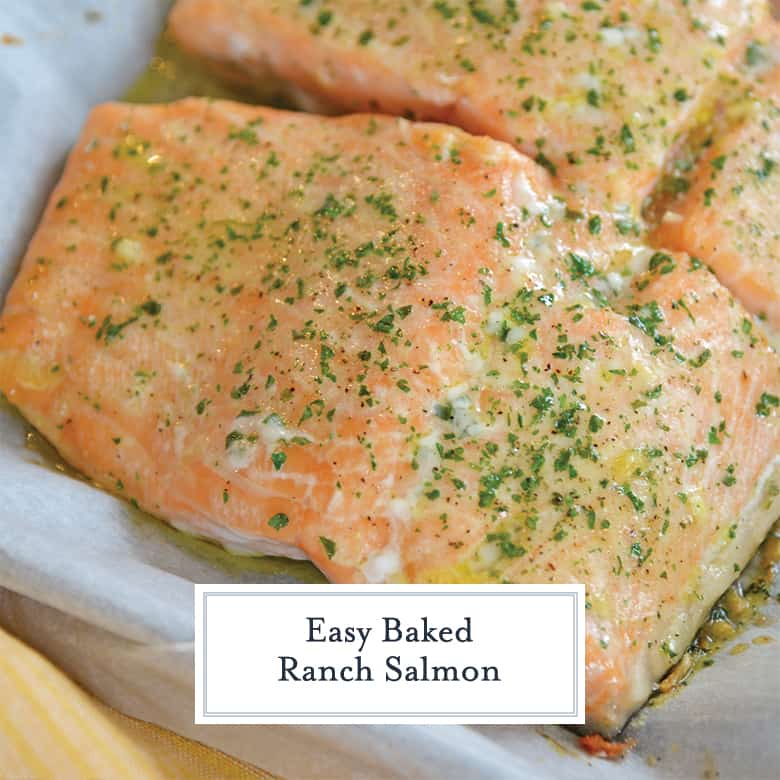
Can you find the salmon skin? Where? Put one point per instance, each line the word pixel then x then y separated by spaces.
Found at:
pixel 728 214
pixel 597 92
pixel 397 350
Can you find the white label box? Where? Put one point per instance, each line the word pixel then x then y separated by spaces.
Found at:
pixel 370 654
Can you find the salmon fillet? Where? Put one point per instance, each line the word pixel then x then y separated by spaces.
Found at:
pixel 597 92
pixel 395 349
pixel 729 215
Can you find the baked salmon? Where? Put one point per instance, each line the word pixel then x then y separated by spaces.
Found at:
pixel 729 213
pixel 395 349
pixel 597 92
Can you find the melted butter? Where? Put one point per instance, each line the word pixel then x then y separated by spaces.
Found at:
pixel 628 465
pixel 740 608
pixel 172 74
pixel 44 454
pixel 463 573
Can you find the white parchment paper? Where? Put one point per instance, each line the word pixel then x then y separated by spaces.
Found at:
pixel 107 593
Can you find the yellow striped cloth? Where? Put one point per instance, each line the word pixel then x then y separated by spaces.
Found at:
pixel 51 729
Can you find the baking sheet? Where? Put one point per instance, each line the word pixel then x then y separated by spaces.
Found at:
pixel 106 592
